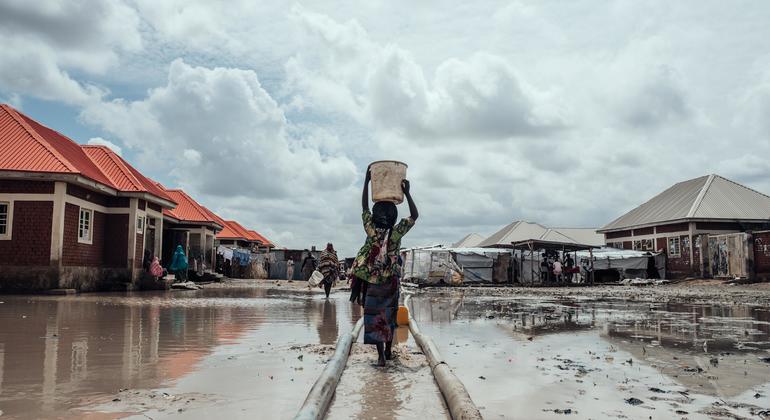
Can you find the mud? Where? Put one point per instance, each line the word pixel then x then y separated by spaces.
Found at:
pixel 404 389
pixel 601 353
pixel 253 349
pixel 231 351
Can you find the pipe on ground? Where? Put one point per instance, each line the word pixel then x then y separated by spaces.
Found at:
pixel 320 395
pixel 459 402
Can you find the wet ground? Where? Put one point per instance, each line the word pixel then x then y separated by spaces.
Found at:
pixel 546 357
pixel 254 349
pixel 237 351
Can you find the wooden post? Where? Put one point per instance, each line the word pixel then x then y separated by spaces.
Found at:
pixel 591 260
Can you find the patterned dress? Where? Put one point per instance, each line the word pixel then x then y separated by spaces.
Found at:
pixel 377 264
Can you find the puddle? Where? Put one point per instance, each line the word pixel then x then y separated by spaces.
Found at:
pixel 232 351
pixel 541 357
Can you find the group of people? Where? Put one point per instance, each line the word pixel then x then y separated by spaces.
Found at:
pixel 555 269
pixel 179 264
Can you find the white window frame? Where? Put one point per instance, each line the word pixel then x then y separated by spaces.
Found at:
pixel 678 246
pixel 90 231
pixel 642 242
pixel 140 222
pixel 9 221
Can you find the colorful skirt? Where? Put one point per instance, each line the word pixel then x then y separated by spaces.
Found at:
pixel 380 310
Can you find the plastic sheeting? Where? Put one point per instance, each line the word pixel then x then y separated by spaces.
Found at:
pixel 434 265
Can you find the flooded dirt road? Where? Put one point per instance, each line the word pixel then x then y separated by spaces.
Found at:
pixel 254 349
pixel 233 352
pixel 541 357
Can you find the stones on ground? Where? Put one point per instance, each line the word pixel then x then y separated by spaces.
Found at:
pixel 634 401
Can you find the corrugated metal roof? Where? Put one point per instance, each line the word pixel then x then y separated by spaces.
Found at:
pixel 121 174
pixel 515 232
pixel 233 230
pixel 587 236
pixel 705 197
pixel 220 221
pixel 469 241
pixel 520 231
pixel 32 147
pixel 187 209
pixel 260 238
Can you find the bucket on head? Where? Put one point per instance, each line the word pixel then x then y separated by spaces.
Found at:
pixel 386 180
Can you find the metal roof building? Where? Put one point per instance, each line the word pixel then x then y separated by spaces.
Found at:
pixel 705 198
pixel 678 219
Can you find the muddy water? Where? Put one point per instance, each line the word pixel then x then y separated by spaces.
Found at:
pixel 237 352
pixel 540 358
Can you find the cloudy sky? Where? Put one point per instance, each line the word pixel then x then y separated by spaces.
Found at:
pixel 565 113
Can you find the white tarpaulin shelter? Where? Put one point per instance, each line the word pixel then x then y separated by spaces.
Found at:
pixel 433 265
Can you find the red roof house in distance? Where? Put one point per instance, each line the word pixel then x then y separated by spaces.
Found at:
pixel 192 226
pixel 71 216
pixel 234 234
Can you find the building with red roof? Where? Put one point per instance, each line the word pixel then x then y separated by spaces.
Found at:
pixel 192 226
pixel 71 216
pixel 234 234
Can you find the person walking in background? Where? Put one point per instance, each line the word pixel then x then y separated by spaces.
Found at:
pixel 329 267
pixel 557 269
pixel 377 264
pixel 308 266
pixel 179 264
pixel 290 269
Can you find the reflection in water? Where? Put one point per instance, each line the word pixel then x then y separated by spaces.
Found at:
pixel 680 340
pixel 57 353
pixel 379 399
pixel 327 323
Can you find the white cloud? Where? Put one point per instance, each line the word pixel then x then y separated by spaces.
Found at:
pixel 45 42
pixel 223 138
pixel 560 113
pixel 479 97
pixel 102 142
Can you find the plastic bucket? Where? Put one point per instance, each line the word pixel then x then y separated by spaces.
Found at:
pixel 386 180
pixel 315 279
pixel 402 317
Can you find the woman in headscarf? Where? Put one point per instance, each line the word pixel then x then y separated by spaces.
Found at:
pixel 179 264
pixel 329 266
pixel 377 264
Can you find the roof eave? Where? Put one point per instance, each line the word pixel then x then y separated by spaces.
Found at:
pixel 682 220
pixel 56 176
pixel 148 197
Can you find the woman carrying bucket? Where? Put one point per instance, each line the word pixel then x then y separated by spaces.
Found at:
pixel 377 261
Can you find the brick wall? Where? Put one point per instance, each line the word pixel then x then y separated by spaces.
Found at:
pixel 30 242
pixel 79 254
pixel 718 226
pixel 88 195
pixel 762 252
pixel 122 202
pixel 26 187
pixel 116 240
pixel 139 250
pixel 680 266
pixel 615 235
pixel 678 227
pixel 644 231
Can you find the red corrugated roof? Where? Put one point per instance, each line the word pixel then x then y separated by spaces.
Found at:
pixel 187 209
pixel 121 174
pixel 219 220
pixel 231 231
pixel 260 238
pixel 31 147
